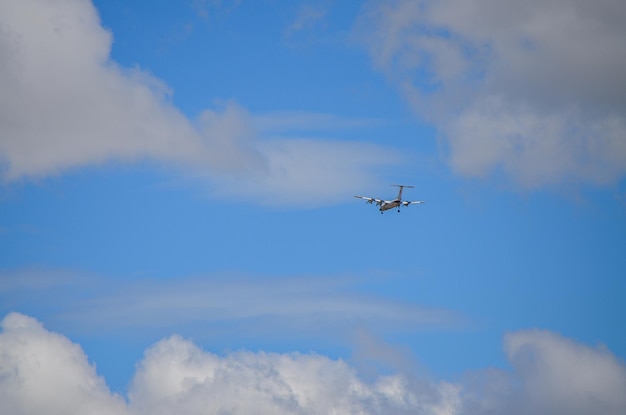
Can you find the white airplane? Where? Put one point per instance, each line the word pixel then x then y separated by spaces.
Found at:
pixel 390 204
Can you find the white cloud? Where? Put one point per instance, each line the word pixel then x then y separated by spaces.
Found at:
pixel 65 104
pixel 552 375
pixel 537 149
pixel 536 88
pixel 561 375
pixel 176 376
pixel 45 373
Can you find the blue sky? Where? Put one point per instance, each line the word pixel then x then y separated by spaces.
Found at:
pixel 177 226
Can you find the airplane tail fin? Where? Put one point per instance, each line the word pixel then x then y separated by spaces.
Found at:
pixel 401 186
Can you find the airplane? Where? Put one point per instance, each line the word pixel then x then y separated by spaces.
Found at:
pixel 390 204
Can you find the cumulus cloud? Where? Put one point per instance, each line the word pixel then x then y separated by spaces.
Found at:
pixel 65 104
pixel 535 89
pixel 552 375
pixel 559 373
pixel 45 373
pixel 177 376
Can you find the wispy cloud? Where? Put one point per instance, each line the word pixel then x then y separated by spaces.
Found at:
pixel 551 375
pixel 300 306
pixel 66 104
pixel 281 122
pixel 307 17
pixel 205 8
pixel 534 89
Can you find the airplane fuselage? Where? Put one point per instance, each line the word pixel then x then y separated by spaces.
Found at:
pixel 389 204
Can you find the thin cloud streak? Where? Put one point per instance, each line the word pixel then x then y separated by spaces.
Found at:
pixel 297 306
pixel 281 122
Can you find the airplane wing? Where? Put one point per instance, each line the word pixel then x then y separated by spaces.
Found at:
pixel 371 199
pixel 407 203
